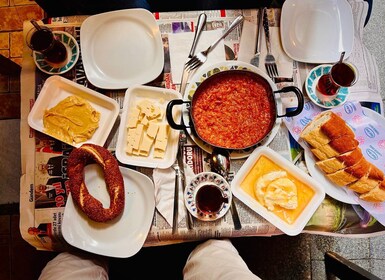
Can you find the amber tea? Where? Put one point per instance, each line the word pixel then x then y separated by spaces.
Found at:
pixel 43 41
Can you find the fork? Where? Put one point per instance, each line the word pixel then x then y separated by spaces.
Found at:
pixel 200 58
pixel 271 66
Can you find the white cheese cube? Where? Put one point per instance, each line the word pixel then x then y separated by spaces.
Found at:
pixel 162 137
pixel 152 129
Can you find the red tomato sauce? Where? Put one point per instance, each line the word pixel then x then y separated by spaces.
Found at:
pixel 233 111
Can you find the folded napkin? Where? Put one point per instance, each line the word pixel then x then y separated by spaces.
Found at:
pixel 180 45
pixel 248 45
pixel 164 181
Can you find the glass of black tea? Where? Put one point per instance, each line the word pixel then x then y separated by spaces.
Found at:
pixel 210 199
pixel 43 40
pixel 341 75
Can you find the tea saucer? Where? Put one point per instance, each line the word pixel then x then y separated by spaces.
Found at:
pixel 310 86
pixel 193 187
pixel 73 55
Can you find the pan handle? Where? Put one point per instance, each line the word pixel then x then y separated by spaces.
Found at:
pixel 300 98
pixel 169 115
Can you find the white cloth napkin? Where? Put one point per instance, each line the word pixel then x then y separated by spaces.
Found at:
pixel 248 45
pixel 164 181
pixel 180 45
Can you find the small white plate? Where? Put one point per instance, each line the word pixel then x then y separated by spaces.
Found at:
pixel 191 191
pixel 316 31
pixel 283 164
pixel 332 190
pixel 160 96
pixel 73 55
pixel 122 237
pixel 57 88
pixel 206 72
pixel 310 86
pixel 121 48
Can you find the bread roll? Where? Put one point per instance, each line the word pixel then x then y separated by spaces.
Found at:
pixel 368 182
pixel 324 128
pixel 350 174
pixel 336 163
pixel 335 147
pixel 375 195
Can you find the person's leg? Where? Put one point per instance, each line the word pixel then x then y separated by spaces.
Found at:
pixel 75 266
pixel 216 259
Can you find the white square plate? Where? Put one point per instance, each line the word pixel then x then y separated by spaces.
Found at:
pixel 283 164
pixel 57 88
pixel 123 236
pixel 161 96
pixel 121 48
pixel 315 31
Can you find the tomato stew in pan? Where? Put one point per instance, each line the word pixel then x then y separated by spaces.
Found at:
pixel 233 109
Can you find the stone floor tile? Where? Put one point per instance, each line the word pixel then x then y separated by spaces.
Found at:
pixel 350 248
pixel 17 44
pixel 4 40
pixel 377 247
pixel 275 257
pixel 10 161
pixel 377 267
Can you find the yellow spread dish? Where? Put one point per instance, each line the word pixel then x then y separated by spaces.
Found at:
pixel 72 120
pixel 277 190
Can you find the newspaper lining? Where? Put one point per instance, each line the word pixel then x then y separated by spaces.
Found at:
pixel 43 185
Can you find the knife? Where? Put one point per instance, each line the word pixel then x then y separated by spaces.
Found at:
pixel 200 24
pixel 255 59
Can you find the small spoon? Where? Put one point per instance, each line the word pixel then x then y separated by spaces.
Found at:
pixel 341 57
pixel 35 24
pixel 220 162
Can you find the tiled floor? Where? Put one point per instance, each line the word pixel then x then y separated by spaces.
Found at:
pixel 280 257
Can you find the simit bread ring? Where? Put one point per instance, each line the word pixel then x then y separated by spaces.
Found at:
pixel 93 208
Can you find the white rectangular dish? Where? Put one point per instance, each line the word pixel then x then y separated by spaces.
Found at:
pixel 310 193
pixel 316 31
pixel 160 97
pixel 56 89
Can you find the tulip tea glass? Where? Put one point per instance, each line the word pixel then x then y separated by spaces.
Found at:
pixel 42 40
pixel 210 199
pixel 341 75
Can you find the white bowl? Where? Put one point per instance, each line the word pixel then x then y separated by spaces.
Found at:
pixel 161 96
pixel 295 173
pixel 57 88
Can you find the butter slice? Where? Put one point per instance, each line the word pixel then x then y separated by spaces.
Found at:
pixel 159 153
pixel 152 129
pixel 145 145
pixel 133 116
pixel 162 137
pixel 137 136
pixel 130 140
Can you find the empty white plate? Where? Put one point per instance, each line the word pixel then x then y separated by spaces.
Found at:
pixel 316 31
pixel 121 48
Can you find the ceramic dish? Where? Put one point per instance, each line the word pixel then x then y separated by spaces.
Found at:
pixel 121 48
pixel 123 236
pixel 316 31
pixel 57 88
pixel 160 97
pixel 73 55
pixel 206 72
pixel 278 163
pixel 310 86
pixel 332 190
pixel 193 187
